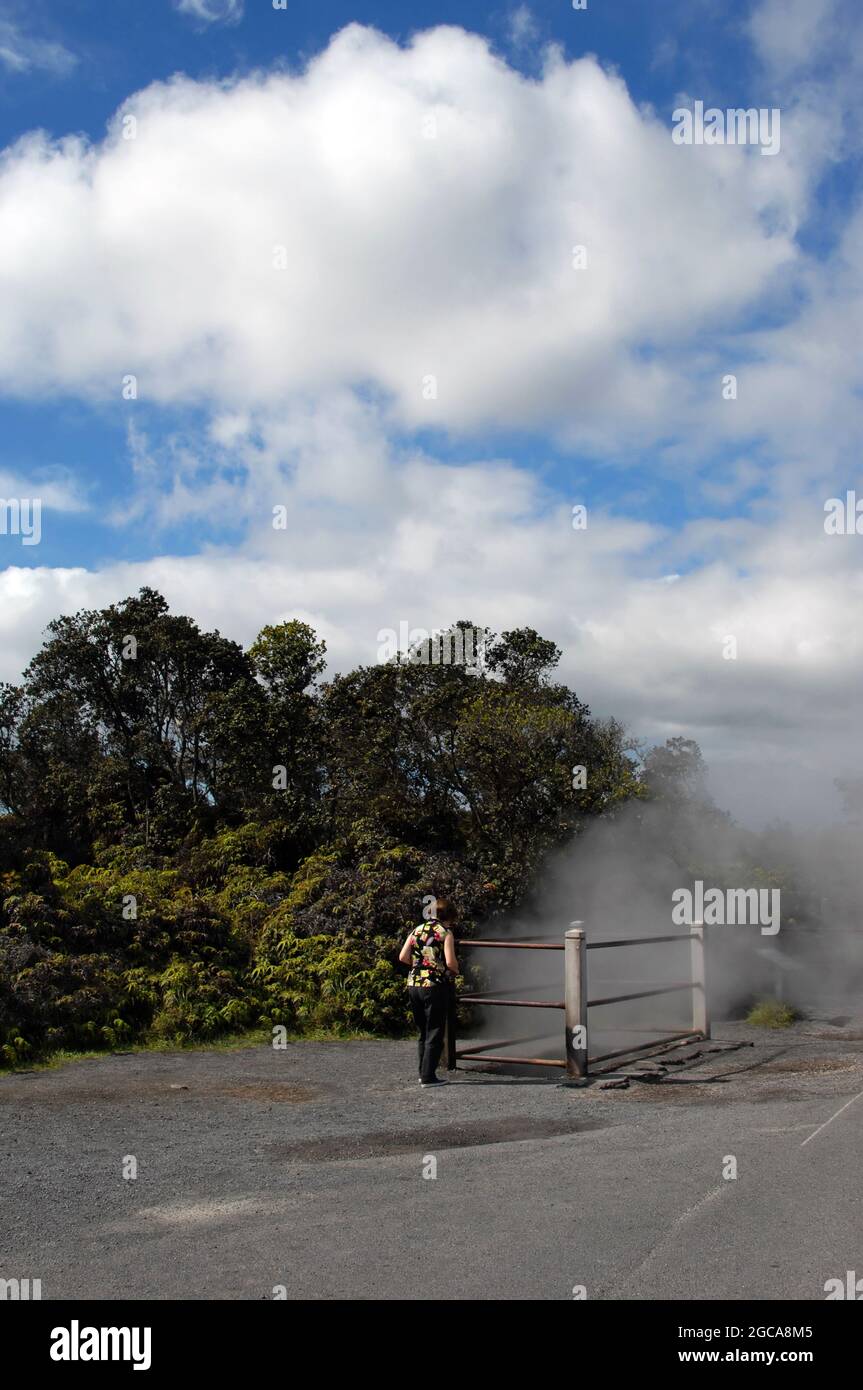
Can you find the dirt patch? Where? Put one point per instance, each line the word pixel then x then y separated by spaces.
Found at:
pixel 53 1093
pixel 503 1130
pixel 810 1066
pixel 120 1092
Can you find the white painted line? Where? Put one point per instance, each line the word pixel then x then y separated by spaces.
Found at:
pixel 665 1241
pixel 832 1118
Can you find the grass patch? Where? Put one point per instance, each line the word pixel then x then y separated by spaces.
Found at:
pixel 228 1042
pixel 771 1013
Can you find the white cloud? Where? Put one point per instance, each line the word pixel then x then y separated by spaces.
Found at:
pixel 812 57
pixel 57 489
pixel 21 53
pixel 790 34
pixel 212 11
pixel 406 257
pixel 522 26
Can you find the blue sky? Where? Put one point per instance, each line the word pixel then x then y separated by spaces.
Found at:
pixel 412 255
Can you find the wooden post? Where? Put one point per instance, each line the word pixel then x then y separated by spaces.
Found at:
pixel 700 1013
pixel 575 998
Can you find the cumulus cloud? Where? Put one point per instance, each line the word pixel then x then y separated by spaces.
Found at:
pixel 398 218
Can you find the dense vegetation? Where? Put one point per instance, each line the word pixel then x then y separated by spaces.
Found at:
pixel 197 839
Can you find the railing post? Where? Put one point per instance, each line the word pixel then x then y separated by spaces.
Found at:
pixel 700 1013
pixel 450 1027
pixel 575 998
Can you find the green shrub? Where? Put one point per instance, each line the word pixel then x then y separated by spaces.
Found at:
pixel 200 1001
pixel 329 982
pixel 771 1013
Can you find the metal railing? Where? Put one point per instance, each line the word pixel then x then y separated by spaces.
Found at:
pixel 478 1054
pixel 575 1003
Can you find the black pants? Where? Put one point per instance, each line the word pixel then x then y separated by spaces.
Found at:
pixel 428 1007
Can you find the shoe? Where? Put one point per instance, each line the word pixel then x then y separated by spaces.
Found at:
pixel 436 1081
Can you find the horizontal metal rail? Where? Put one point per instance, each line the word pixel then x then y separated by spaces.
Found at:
pixel 504 1042
pixel 542 945
pixel 633 941
pixel 515 945
pixel 511 1003
pixel 495 993
pixel 609 1028
pixel 522 1061
pixel 640 994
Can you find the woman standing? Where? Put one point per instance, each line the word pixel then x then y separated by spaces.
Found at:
pixel 430 953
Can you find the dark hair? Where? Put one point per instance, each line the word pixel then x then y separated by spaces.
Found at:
pixel 444 910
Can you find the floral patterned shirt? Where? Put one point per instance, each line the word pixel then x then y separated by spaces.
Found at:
pixel 428 962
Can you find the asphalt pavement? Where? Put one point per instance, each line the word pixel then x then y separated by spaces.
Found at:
pixel 324 1171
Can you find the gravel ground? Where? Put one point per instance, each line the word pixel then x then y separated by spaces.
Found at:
pixel 308 1170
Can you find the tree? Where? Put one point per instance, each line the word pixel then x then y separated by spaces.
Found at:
pixel 287 660
pixel 522 657
pixel 133 708
pixel 675 772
